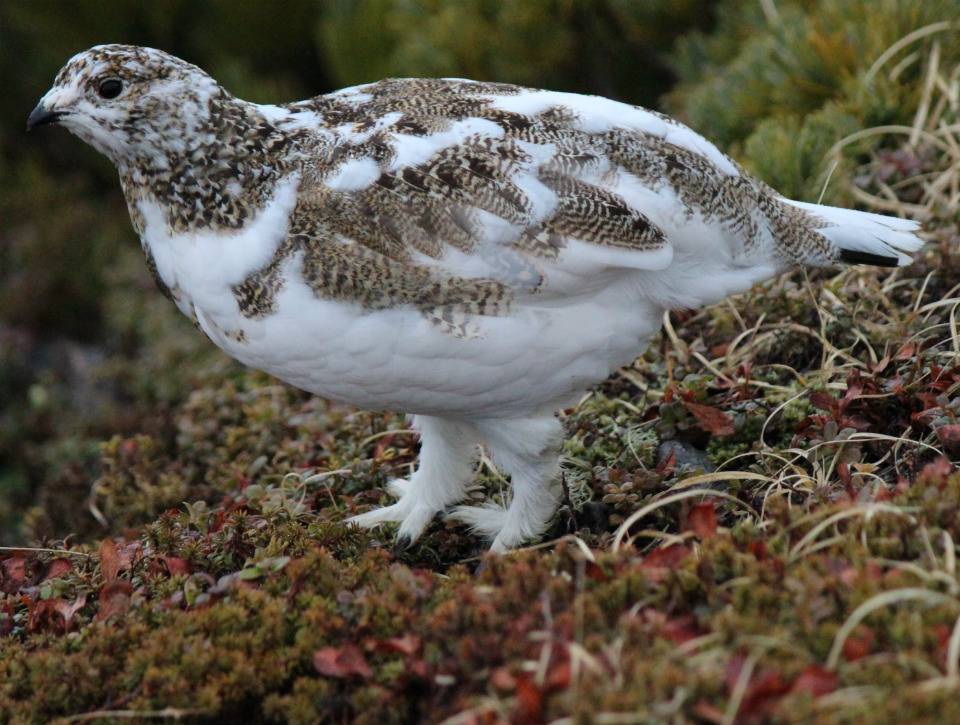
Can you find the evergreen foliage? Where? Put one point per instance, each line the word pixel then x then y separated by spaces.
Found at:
pixel 779 83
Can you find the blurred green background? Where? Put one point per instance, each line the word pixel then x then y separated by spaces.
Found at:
pixel 88 349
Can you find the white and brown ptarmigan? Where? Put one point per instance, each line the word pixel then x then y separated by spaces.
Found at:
pixel 476 254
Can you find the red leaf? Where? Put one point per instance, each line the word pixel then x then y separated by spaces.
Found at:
pixel 927 417
pixel 342 662
pixel 880 366
pixel 854 391
pixel 823 401
pixel 702 520
pixel 666 557
pixel 949 437
pixel 529 704
pixel 667 463
pixel 129 554
pixel 6 620
pixel 895 384
pixel 817 681
pixel 419 669
pixel 857 422
pixel 14 571
pixel 54 614
pixel 906 352
pixel 710 713
pixel 681 629
pixel 78 604
pixel 761 694
pixel 171 565
pixel 406 644
pixel 763 690
pixel 43 616
pixel 595 572
pixel 845 571
pixel 31 604
pixel 713 421
pixel 858 644
pixel 502 679
pixel 57 568
pixel 388 441
pixel 325 662
pixel 941 633
pixel 109 560
pixel 559 677
pixel 759 550
pixel 114 599
pixel 937 471
pixel 843 471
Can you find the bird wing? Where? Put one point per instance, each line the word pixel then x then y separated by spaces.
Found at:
pixel 464 197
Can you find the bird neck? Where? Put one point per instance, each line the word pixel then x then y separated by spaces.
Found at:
pixel 215 174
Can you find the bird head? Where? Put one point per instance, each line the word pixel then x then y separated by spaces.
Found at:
pixel 130 103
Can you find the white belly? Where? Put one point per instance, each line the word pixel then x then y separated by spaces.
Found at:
pixel 534 360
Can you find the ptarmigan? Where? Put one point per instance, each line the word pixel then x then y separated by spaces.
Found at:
pixel 476 254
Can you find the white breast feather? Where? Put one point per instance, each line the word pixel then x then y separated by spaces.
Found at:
pixel 204 266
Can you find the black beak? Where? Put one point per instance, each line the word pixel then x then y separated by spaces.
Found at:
pixel 41 115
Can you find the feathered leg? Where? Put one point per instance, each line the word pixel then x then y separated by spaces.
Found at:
pixel 444 474
pixel 527 449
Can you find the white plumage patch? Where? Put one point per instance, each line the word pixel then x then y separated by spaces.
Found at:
pixel 412 151
pixel 354 175
pixel 204 266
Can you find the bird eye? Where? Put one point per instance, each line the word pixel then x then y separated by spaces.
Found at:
pixel 110 88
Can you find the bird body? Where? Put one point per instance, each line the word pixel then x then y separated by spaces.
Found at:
pixel 475 254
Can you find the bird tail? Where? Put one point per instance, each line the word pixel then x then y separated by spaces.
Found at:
pixel 862 237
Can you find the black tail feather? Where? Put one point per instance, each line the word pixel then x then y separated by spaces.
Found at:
pixel 855 256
